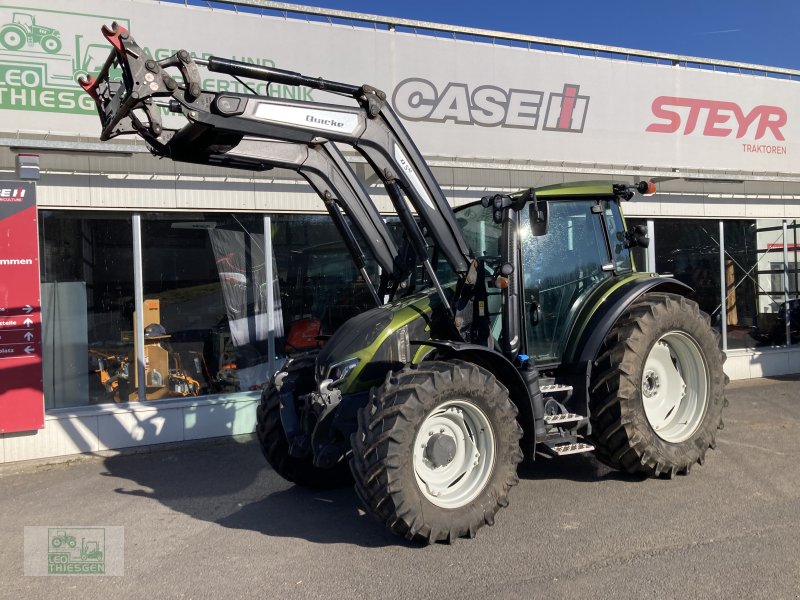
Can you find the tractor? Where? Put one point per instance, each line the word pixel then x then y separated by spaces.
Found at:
pixel 23 29
pixel 513 328
pixel 62 538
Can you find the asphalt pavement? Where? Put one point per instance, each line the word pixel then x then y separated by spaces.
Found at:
pixel 213 521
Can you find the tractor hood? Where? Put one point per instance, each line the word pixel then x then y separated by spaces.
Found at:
pixel 362 350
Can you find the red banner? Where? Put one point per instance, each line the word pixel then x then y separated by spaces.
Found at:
pixel 21 395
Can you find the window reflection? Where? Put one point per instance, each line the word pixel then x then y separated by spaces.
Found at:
pixel 204 289
pixel 767 285
pixel 87 306
pixel 689 249
pixel 561 268
pixel 317 283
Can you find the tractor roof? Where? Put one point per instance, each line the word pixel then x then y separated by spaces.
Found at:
pixel 579 188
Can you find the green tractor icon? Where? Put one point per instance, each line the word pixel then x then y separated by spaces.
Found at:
pixel 23 28
pixel 62 538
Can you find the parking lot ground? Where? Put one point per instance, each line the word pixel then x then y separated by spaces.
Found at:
pixel 213 521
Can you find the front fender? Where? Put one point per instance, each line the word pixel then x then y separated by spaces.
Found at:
pixel 497 364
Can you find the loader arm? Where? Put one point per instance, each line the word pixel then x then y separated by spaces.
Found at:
pixel 126 108
pixel 371 127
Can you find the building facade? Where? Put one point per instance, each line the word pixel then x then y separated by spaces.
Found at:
pixel 221 262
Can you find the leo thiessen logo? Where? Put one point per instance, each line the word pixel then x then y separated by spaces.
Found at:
pixel 41 54
pixel 417 99
pixel 76 551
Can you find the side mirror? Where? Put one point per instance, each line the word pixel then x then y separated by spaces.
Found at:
pixel 637 237
pixel 538 216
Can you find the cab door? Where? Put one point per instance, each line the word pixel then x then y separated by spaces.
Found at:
pixel 560 270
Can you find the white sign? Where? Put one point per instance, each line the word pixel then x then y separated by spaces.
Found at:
pixel 458 98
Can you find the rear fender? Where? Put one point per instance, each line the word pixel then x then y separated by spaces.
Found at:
pixel 579 369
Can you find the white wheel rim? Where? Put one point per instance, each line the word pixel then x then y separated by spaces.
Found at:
pixel 454 454
pixel 675 387
pixel 50 44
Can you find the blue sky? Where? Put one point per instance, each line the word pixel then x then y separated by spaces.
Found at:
pixel 756 31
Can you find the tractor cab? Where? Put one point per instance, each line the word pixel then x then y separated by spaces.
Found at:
pixel 573 247
pixel 24 19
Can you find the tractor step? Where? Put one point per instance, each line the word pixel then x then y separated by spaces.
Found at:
pixel 555 388
pixel 563 418
pixel 564 449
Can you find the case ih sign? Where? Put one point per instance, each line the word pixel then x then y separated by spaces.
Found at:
pixel 21 396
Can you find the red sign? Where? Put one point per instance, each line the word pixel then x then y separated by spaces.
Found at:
pixel 21 395
pixel 716 118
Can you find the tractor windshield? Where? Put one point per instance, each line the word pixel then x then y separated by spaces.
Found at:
pixel 24 19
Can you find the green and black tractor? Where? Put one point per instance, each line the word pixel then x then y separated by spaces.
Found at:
pixel 514 327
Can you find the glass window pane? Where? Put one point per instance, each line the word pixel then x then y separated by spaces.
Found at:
pixel 793 240
pixel 689 249
pixel 318 284
pixel 560 269
pixel 755 283
pixel 758 284
pixel 616 237
pixel 87 306
pixel 205 310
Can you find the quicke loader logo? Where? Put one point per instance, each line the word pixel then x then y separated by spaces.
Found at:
pixel 417 99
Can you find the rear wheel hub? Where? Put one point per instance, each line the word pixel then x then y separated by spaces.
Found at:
pixel 440 450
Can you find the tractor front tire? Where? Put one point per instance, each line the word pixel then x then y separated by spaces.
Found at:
pixel 658 388
pixel 275 447
pixel 50 44
pixel 436 451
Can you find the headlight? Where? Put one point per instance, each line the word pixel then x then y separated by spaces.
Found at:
pixel 339 371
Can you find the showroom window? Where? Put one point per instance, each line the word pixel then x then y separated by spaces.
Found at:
pixel 205 300
pixel 689 249
pixel 87 306
pixel 205 306
pixel 759 281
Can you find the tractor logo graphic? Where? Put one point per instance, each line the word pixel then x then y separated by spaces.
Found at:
pixel 39 63
pixel 23 28
pixel 76 550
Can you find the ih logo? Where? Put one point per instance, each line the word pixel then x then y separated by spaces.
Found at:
pixel 566 111
pixel 79 551
pixel 41 54
pixel 418 99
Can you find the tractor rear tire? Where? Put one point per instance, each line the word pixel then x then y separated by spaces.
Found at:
pixel 436 451
pixel 658 388
pixel 275 446
pixel 13 37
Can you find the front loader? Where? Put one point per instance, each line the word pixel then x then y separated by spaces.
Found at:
pixel 512 328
